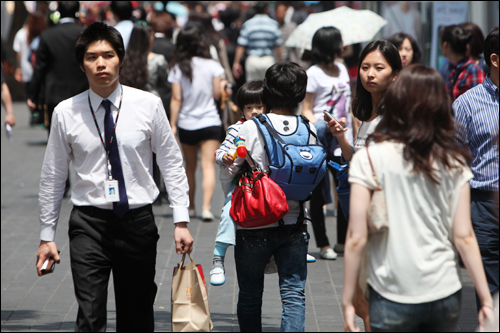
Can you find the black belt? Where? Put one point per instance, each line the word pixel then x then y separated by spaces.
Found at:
pixel 482 194
pixel 96 211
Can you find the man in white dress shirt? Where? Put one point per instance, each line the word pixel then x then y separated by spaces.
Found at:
pixel 109 133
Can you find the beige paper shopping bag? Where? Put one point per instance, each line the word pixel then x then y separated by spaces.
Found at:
pixel 190 312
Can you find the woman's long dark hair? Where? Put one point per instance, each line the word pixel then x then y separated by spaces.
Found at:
pixel 362 104
pixel 417 112
pixel 189 44
pixel 326 45
pixel 134 71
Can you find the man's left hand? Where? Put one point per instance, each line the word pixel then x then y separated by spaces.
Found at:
pixel 183 239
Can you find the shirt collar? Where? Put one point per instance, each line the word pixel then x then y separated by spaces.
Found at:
pixel 465 61
pixel 490 86
pixel 125 23
pixel 66 20
pixel 114 98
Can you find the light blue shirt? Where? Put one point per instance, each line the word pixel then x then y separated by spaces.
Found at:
pixel 125 28
pixel 477 112
pixel 260 35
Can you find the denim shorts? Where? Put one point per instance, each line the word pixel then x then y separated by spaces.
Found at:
pixel 437 316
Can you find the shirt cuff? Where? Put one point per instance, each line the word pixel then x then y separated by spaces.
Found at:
pixel 47 232
pixel 180 214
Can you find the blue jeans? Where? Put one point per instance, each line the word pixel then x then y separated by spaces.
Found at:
pixel 227 228
pixel 484 215
pixel 253 250
pixel 438 316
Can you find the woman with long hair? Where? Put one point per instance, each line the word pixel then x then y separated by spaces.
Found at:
pixel 417 160
pixel 328 88
pixel 379 65
pixel 134 72
pixel 35 24
pixel 195 79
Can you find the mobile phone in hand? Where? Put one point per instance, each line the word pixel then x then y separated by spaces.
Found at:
pixel 329 115
pixel 49 265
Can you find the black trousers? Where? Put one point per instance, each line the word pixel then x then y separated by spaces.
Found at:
pixel 318 217
pixel 101 242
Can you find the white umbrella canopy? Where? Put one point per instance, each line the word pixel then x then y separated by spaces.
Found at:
pixel 356 26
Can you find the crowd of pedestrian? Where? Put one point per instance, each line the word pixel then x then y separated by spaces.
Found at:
pixel 135 96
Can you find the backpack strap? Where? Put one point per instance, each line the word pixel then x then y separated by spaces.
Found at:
pixel 305 120
pixel 271 130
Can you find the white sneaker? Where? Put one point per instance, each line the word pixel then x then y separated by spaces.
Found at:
pixel 192 213
pixel 217 277
pixel 328 254
pixel 310 258
pixel 207 216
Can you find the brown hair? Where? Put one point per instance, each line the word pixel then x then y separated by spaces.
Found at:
pixel 417 112
pixel 36 23
pixel 162 22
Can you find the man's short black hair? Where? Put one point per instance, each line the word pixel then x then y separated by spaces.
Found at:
pixel 490 46
pixel 260 7
pixel 68 8
pixel 284 86
pixel 95 32
pixel 122 9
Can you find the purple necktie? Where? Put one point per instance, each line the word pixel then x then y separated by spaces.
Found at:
pixel 121 207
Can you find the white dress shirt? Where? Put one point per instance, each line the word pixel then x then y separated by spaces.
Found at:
pixel 142 129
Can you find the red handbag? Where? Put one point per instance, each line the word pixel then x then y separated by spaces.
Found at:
pixel 257 201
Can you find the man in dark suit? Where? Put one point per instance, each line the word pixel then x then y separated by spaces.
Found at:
pixel 56 68
pixel 162 24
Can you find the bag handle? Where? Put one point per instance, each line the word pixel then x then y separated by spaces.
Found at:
pixel 371 165
pixel 181 264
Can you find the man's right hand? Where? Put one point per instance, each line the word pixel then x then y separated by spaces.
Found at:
pixel 31 105
pixel 237 70
pixel 45 251
pixel 18 75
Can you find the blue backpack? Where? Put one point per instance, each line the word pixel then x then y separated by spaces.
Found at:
pixel 294 164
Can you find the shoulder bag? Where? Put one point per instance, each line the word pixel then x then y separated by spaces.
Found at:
pixel 377 212
pixel 257 200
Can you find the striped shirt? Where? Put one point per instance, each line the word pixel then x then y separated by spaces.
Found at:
pixel 260 35
pixel 477 112
pixel 228 146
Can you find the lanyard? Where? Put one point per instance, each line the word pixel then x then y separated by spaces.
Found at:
pixel 112 134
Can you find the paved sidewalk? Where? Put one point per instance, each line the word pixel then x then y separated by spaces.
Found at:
pixel 30 303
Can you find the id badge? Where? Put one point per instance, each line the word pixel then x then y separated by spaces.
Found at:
pixel 111 191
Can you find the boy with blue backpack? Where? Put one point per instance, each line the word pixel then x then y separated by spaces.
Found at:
pixel 284 146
